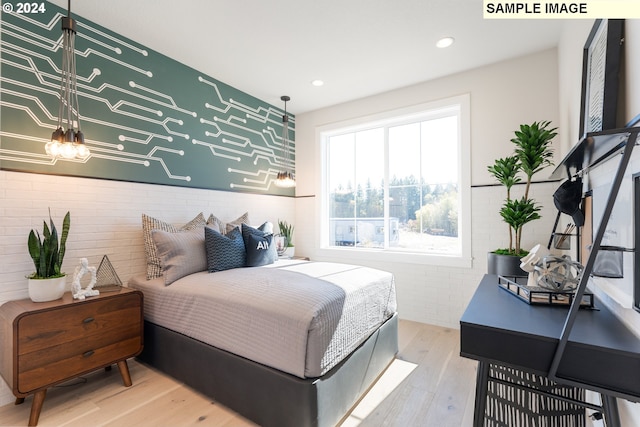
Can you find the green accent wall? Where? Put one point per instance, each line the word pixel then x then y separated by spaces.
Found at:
pixel 145 117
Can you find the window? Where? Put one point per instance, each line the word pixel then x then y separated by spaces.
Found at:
pixel 399 183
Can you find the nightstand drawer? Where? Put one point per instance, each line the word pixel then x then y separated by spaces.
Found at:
pixel 38 369
pixel 40 331
pixel 83 346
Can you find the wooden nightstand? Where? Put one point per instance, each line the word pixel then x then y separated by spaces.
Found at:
pixel 47 343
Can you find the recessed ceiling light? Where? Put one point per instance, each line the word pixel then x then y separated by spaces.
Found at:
pixel 445 42
pixel 317 83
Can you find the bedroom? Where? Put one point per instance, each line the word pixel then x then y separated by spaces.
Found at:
pixel 107 213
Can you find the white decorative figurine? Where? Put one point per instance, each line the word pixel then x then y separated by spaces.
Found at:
pixel 529 262
pixel 76 287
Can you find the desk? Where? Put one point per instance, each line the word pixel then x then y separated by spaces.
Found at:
pixel 601 354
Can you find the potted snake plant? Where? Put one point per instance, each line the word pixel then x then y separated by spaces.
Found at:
pixel 532 154
pixel 48 282
pixel 286 230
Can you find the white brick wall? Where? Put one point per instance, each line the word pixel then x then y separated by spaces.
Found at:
pixel 105 220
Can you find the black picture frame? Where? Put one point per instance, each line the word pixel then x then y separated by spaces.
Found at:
pixel 600 76
pixel 636 239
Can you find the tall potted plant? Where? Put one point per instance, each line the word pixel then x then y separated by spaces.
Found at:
pixel 532 154
pixel 47 251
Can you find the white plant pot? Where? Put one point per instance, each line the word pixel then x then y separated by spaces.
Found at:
pixel 42 290
pixel 289 252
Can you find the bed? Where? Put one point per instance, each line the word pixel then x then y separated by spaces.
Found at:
pixel 292 343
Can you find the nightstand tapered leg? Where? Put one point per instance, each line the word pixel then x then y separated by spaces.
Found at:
pixel 36 407
pixel 124 372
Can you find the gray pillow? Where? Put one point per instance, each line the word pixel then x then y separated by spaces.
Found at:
pixel 226 227
pixel 224 252
pixel 260 245
pixel 154 268
pixel 180 253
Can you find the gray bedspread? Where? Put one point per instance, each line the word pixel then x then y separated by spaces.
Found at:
pixel 299 317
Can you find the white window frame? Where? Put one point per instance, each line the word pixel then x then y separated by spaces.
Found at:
pixel 464 186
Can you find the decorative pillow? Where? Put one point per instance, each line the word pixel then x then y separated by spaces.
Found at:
pixel 226 227
pixel 267 227
pixel 260 245
pixel 180 253
pixel 154 268
pixel 224 252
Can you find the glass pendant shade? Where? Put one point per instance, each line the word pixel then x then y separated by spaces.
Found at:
pixel 68 144
pixel 285 180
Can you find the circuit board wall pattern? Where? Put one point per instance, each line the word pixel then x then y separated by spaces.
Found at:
pixel 145 117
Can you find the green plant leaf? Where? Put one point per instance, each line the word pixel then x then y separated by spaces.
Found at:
pixel 66 225
pixel 47 250
pixel 533 147
pixel 35 249
pixel 287 231
pixel 518 212
pixel 505 171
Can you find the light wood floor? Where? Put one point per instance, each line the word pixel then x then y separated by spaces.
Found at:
pixel 428 385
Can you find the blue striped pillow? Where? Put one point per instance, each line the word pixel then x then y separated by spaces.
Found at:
pixel 224 252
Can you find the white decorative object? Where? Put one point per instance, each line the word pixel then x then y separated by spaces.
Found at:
pixel 76 287
pixel 43 290
pixel 529 262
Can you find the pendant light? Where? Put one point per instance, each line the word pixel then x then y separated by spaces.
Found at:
pixel 68 144
pixel 286 178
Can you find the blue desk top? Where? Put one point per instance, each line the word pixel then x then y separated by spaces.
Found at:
pixel 601 353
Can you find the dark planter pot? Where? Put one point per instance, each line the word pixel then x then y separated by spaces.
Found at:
pixel 504 265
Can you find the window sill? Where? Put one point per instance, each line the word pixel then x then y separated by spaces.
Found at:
pixel 347 254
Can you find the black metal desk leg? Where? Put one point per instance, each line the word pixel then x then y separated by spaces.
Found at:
pixel 610 409
pixel 482 382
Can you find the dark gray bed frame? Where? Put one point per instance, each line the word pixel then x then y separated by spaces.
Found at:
pixel 265 395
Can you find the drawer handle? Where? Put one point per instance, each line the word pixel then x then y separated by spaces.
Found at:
pixel 88 353
pixel 88 320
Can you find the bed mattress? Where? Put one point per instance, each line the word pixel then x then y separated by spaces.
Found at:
pixel 299 317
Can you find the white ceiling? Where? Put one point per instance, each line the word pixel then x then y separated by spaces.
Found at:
pixel 270 48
